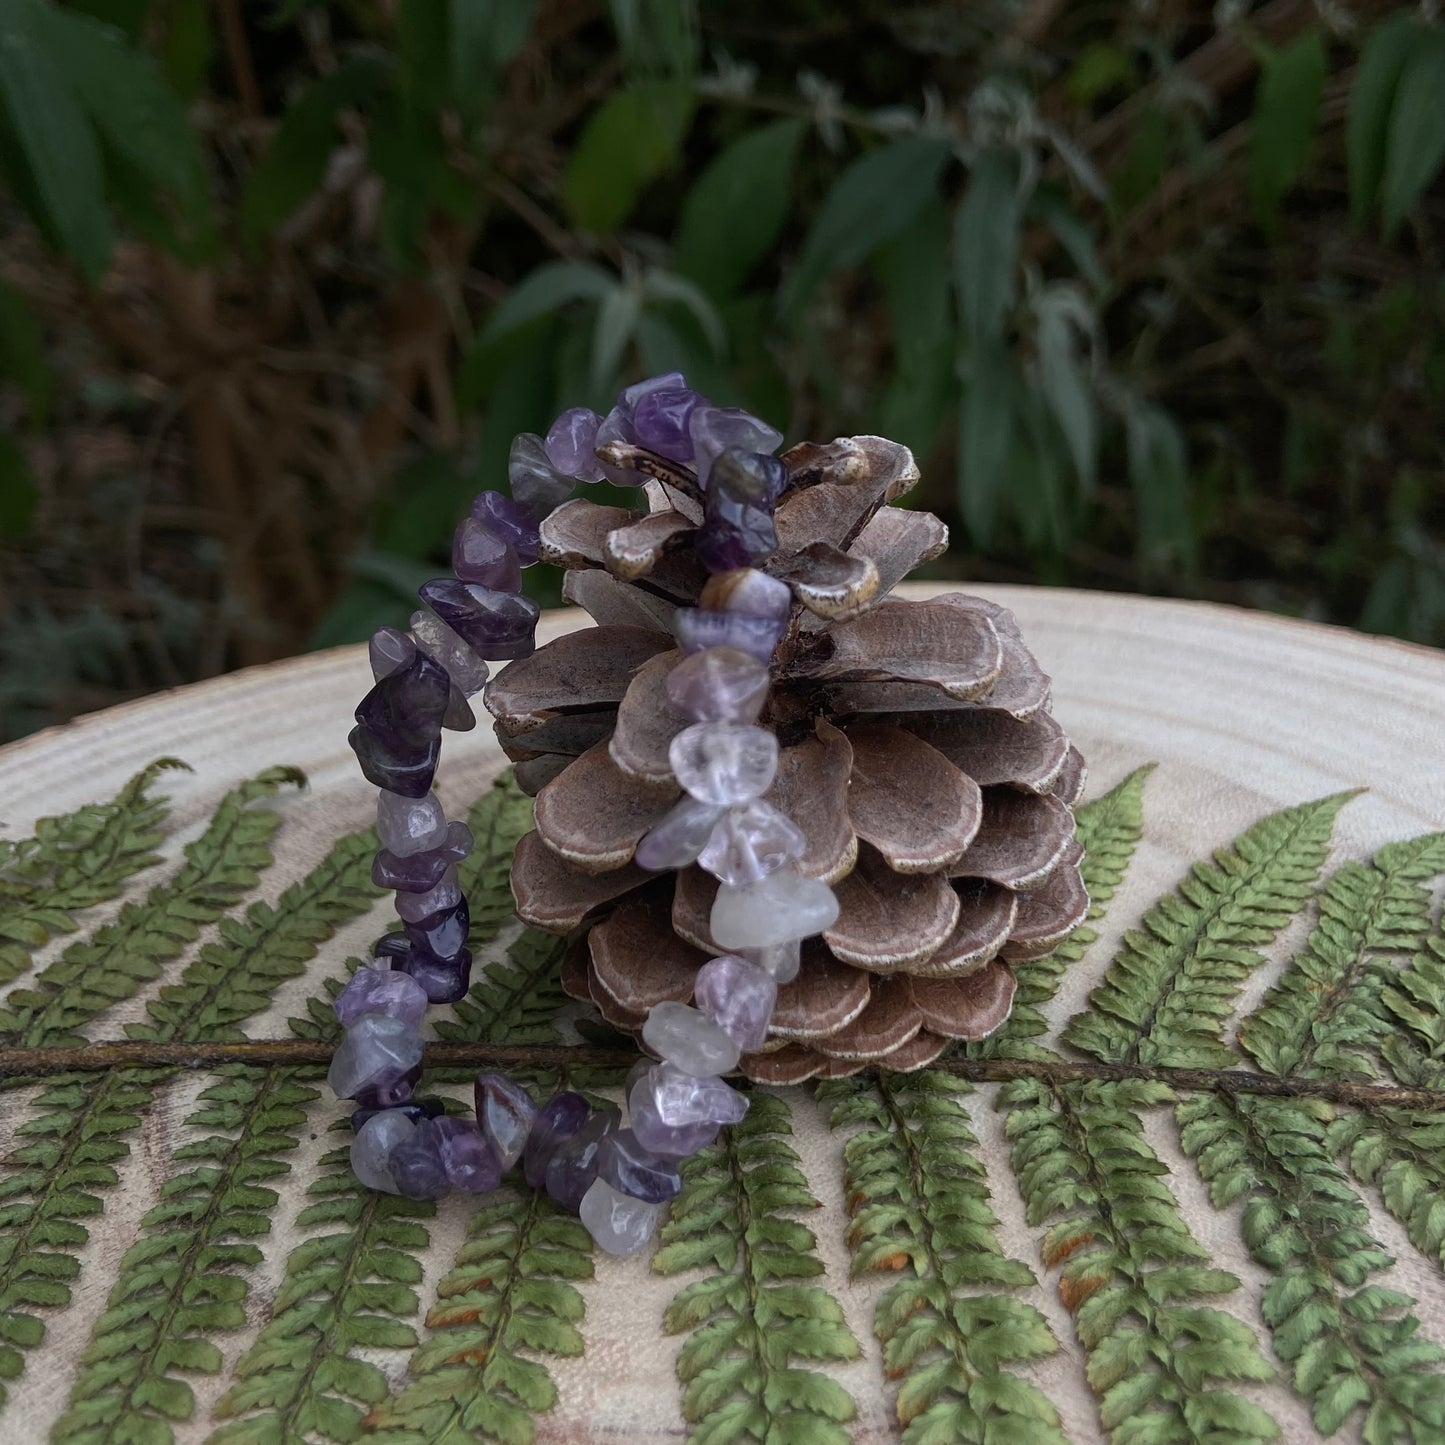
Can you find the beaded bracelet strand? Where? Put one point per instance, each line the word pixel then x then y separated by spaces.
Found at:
pixel 618 1178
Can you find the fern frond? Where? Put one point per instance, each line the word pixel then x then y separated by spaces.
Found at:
pixel 919 1203
pixel 347 1290
pixel 1174 980
pixel 1402 1151
pixel 1130 1271
pixel 1323 1014
pixel 1352 1345
pixel 750 1318
pixel 507 1298
pixel 92 974
pixel 184 1279
pixel 1109 829
pixel 75 862
pixel 79 1126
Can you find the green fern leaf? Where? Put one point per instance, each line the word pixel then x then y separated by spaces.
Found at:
pixel 1341 1335
pixel 1323 1015
pixel 750 1321
pixel 220 868
pixel 1130 1270
pixel 1174 980
pixel 1109 829
pixel 1402 1151
pixel 350 1286
pixel 75 862
pixel 919 1203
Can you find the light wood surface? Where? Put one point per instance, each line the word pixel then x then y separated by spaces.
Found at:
pixel 1242 712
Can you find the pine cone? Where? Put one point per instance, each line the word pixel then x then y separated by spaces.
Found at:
pixel 917 755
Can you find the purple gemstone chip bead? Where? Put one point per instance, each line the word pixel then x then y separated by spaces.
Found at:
pixel 414 1109
pixel 505 1114
pixel 390 1091
pixel 495 625
pixel 389 651
pixel 536 484
pixel 469 1160
pixel 417 1164
pixel 375 1052
pixel 443 933
pixel 737 528
pixel 480 555
pixel 573 1165
pixel 443 980
pixel 720 684
pixel 679 836
pixel 421 872
pixel 660 422
pixel 380 991
pixel 633 1170
pixel 571 444
pixel 716 429
pixel 699 628
pixel 512 522
pixel 558 1119
pixel 739 997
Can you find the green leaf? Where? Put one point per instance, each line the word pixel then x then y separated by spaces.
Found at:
pixel 423 40
pixel 1415 146
pixel 985 245
pixel 630 140
pixel 547 289
pixel 734 212
pixel 485 35
pixel 985 440
pixel 874 199
pixel 1159 478
pixel 1281 132
pixel 18 489
pixel 54 137
pixel 135 113
pixel 1387 51
pixel 1064 383
pixel 22 355
pixel 292 168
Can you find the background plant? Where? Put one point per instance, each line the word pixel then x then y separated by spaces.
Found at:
pixel 1154 295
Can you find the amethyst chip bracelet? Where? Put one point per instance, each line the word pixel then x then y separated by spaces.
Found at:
pixel 617 1178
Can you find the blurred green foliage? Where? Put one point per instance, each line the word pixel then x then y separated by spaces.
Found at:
pixel 1156 299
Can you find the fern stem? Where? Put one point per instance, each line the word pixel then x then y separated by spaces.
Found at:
pixel 22 1065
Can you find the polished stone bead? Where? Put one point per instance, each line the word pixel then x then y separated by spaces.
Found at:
pixel 690 1039
pixel 617 1223
pixel 410 825
pixel 389 651
pixel 681 1099
pixel 443 980
pixel 514 523
pixel 674 1141
pixel 414 1109
pixel 746 590
pixel 414 907
pixel 495 625
pixel 505 1114
pixel 375 1049
pixel 724 763
pixel 660 418
pixel 417 1164
pixel 558 1119
pixel 782 960
pixel 479 555
pixel 617 427
pixel 721 684
pixel 381 991
pixel 468 1158
pixel 571 442
pixel 573 1165
pixel 536 484
pixel 697 628
pixel 377 1137
pixel 629 397
pixel 739 997
pixel 391 1091
pixel 459 717
pixel 748 476
pixel 751 841
pixel 679 837
pixel 418 872
pixel 783 906
pixel 410 772
pixel 635 1171
pixel 443 933
pixel 467 671
pixel 716 429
